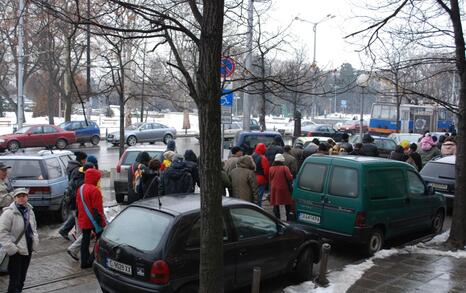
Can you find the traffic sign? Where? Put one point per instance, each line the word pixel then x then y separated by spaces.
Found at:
pixel 227 98
pixel 227 67
pixel 226 115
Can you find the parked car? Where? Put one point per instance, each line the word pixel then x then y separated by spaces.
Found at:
pixel 85 132
pixel 353 126
pixel 288 128
pixel 253 124
pixel 120 176
pixel 385 145
pixel 143 132
pixel 306 140
pixel 162 254
pixel 249 139
pixel 411 137
pixel 441 175
pixel 230 130
pixel 44 174
pixel 41 135
pixel 321 130
pixel 365 200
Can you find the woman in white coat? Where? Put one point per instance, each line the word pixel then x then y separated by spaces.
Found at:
pixel 18 236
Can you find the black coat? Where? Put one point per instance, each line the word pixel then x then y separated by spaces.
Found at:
pixel 176 179
pixel 271 151
pixel 369 149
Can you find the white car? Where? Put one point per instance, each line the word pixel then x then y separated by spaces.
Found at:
pixel 288 128
pixel 411 137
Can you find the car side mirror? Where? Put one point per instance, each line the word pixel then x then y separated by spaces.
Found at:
pixel 430 190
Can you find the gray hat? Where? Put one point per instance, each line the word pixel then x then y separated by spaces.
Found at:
pixel 18 191
pixel 3 166
pixel 279 158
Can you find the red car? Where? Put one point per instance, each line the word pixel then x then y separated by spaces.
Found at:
pixel 352 126
pixel 43 135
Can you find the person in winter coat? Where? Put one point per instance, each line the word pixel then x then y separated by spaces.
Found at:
pixel 18 224
pixel 428 155
pixel 280 191
pixel 297 152
pixel 167 160
pixel 6 189
pixel 347 147
pixel 311 148
pixel 414 156
pixel 290 161
pixel 171 146
pixel 368 146
pixel 177 178
pixel 262 170
pixel 448 147
pixel 90 196
pixel 151 179
pixel 276 147
pixel 190 160
pixel 243 180
pixel 398 154
pixel 226 182
pixel 141 162
pixel 74 165
pixel 357 150
pixel 427 142
pixel 230 164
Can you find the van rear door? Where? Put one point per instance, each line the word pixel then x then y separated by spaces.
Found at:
pixel 308 193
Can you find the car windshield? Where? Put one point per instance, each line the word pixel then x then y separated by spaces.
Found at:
pixel 23 129
pixel 439 170
pixel 131 156
pixel 134 126
pixel 409 137
pixel 126 228
pixel 24 169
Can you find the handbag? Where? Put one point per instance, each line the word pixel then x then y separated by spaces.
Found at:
pixel 97 228
pixel 4 257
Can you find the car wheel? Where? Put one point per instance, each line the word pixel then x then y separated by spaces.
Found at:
pixel 13 146
pixel 190 288
pixel 304 265
pixel 61 144
pixel 63 212
pixel 437 222
pixel 132 140
pixel 95 140
pixel 375 242
pixel 167 138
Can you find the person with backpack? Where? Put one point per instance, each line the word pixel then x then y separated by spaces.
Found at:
pixel 262 170
pixel 190 159
pixel 243 180
pixel 171 146
pixel 135 176
pixel 151 179
pixel 91 217
pixel 167 160
pixel 276 147
pixel 177 178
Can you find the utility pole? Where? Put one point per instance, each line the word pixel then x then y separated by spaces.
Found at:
pixel 20 84
pixel 88 57
pixel 143 79
pixel 247 98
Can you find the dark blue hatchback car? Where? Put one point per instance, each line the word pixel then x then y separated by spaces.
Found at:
pixel 85 132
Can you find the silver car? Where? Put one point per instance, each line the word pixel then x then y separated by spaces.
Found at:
pixel 144 132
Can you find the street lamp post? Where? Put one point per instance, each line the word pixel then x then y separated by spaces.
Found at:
pixel 314 29
pixel 363 82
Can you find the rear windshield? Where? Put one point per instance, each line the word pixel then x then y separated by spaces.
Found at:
pixel 131 156
pixel 253 140
pixel 439 170
pixel 24 169
pixel 138 227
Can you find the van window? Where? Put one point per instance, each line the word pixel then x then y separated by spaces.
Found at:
pixel 344 182
pixel 383 184
pixel 415 184
pixel 24 169
pixel 312 177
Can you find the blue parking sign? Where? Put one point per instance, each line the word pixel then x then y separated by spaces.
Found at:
pixel 227 98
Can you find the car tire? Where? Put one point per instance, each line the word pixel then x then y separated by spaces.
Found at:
pixel 131 140
pixel 437 222
pixel 95 140
pixel 190 288
pixel 374 242
pixel 13 146
pixel 304 265
pixel 151 142
pixel 119 197
pixel 167 138
pixel 61 144
pixel 63 212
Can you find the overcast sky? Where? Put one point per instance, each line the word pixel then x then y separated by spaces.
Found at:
pixel 332 49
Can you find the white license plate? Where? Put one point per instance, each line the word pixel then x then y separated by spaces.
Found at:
pixel 309 218
pixel 118 266
pixel 440 186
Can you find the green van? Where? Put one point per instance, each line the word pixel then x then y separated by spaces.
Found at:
pixel 365 200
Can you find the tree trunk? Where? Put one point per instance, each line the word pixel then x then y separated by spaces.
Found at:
pixel 398 102
pixel 50 104
pixel 458 226
pixel 263 101
pixel 208 102
pixel 122 125
pixel 68 81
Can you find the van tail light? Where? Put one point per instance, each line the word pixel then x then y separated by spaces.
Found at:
pixel 39 190
pixel 159 272
pixel 360 219
pixel 309 134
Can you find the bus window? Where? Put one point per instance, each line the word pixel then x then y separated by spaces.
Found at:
pixel 442 115
pixel 376 111
pixel 385 112
pixel 392 113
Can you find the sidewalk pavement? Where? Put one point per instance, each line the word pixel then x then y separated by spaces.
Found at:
pixel 413 272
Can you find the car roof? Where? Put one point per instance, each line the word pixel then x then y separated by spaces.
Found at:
pixel 37 156
pixel 359 160
pixel 183 203
pixel 263 133
pixel 310 138
pixel 446 160
pixel 146 148
pixel 405 134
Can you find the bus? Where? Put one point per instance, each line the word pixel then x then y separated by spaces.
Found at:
pixel 413 118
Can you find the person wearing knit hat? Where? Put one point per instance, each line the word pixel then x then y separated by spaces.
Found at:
pixel 280 179
pixel 92 159
pixel 167 160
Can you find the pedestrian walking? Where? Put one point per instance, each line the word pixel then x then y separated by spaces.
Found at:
pixel 290 161
pixel 311 148
pixel 190 160
pixel 226 182
pixel 18 238
pixel 262 170
pixel 167 160
pixel 368 146
pixel 243 180
pixel 91 217
pixel 171 146
pixel 177 178
pixel 280 188
pixel 151 179
pixel 297 152
pixel 357 150
pixel 276 147
pixel 74 165
pixel 230 164
pixel 414 156
pixel 347 147
pixel 6 189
